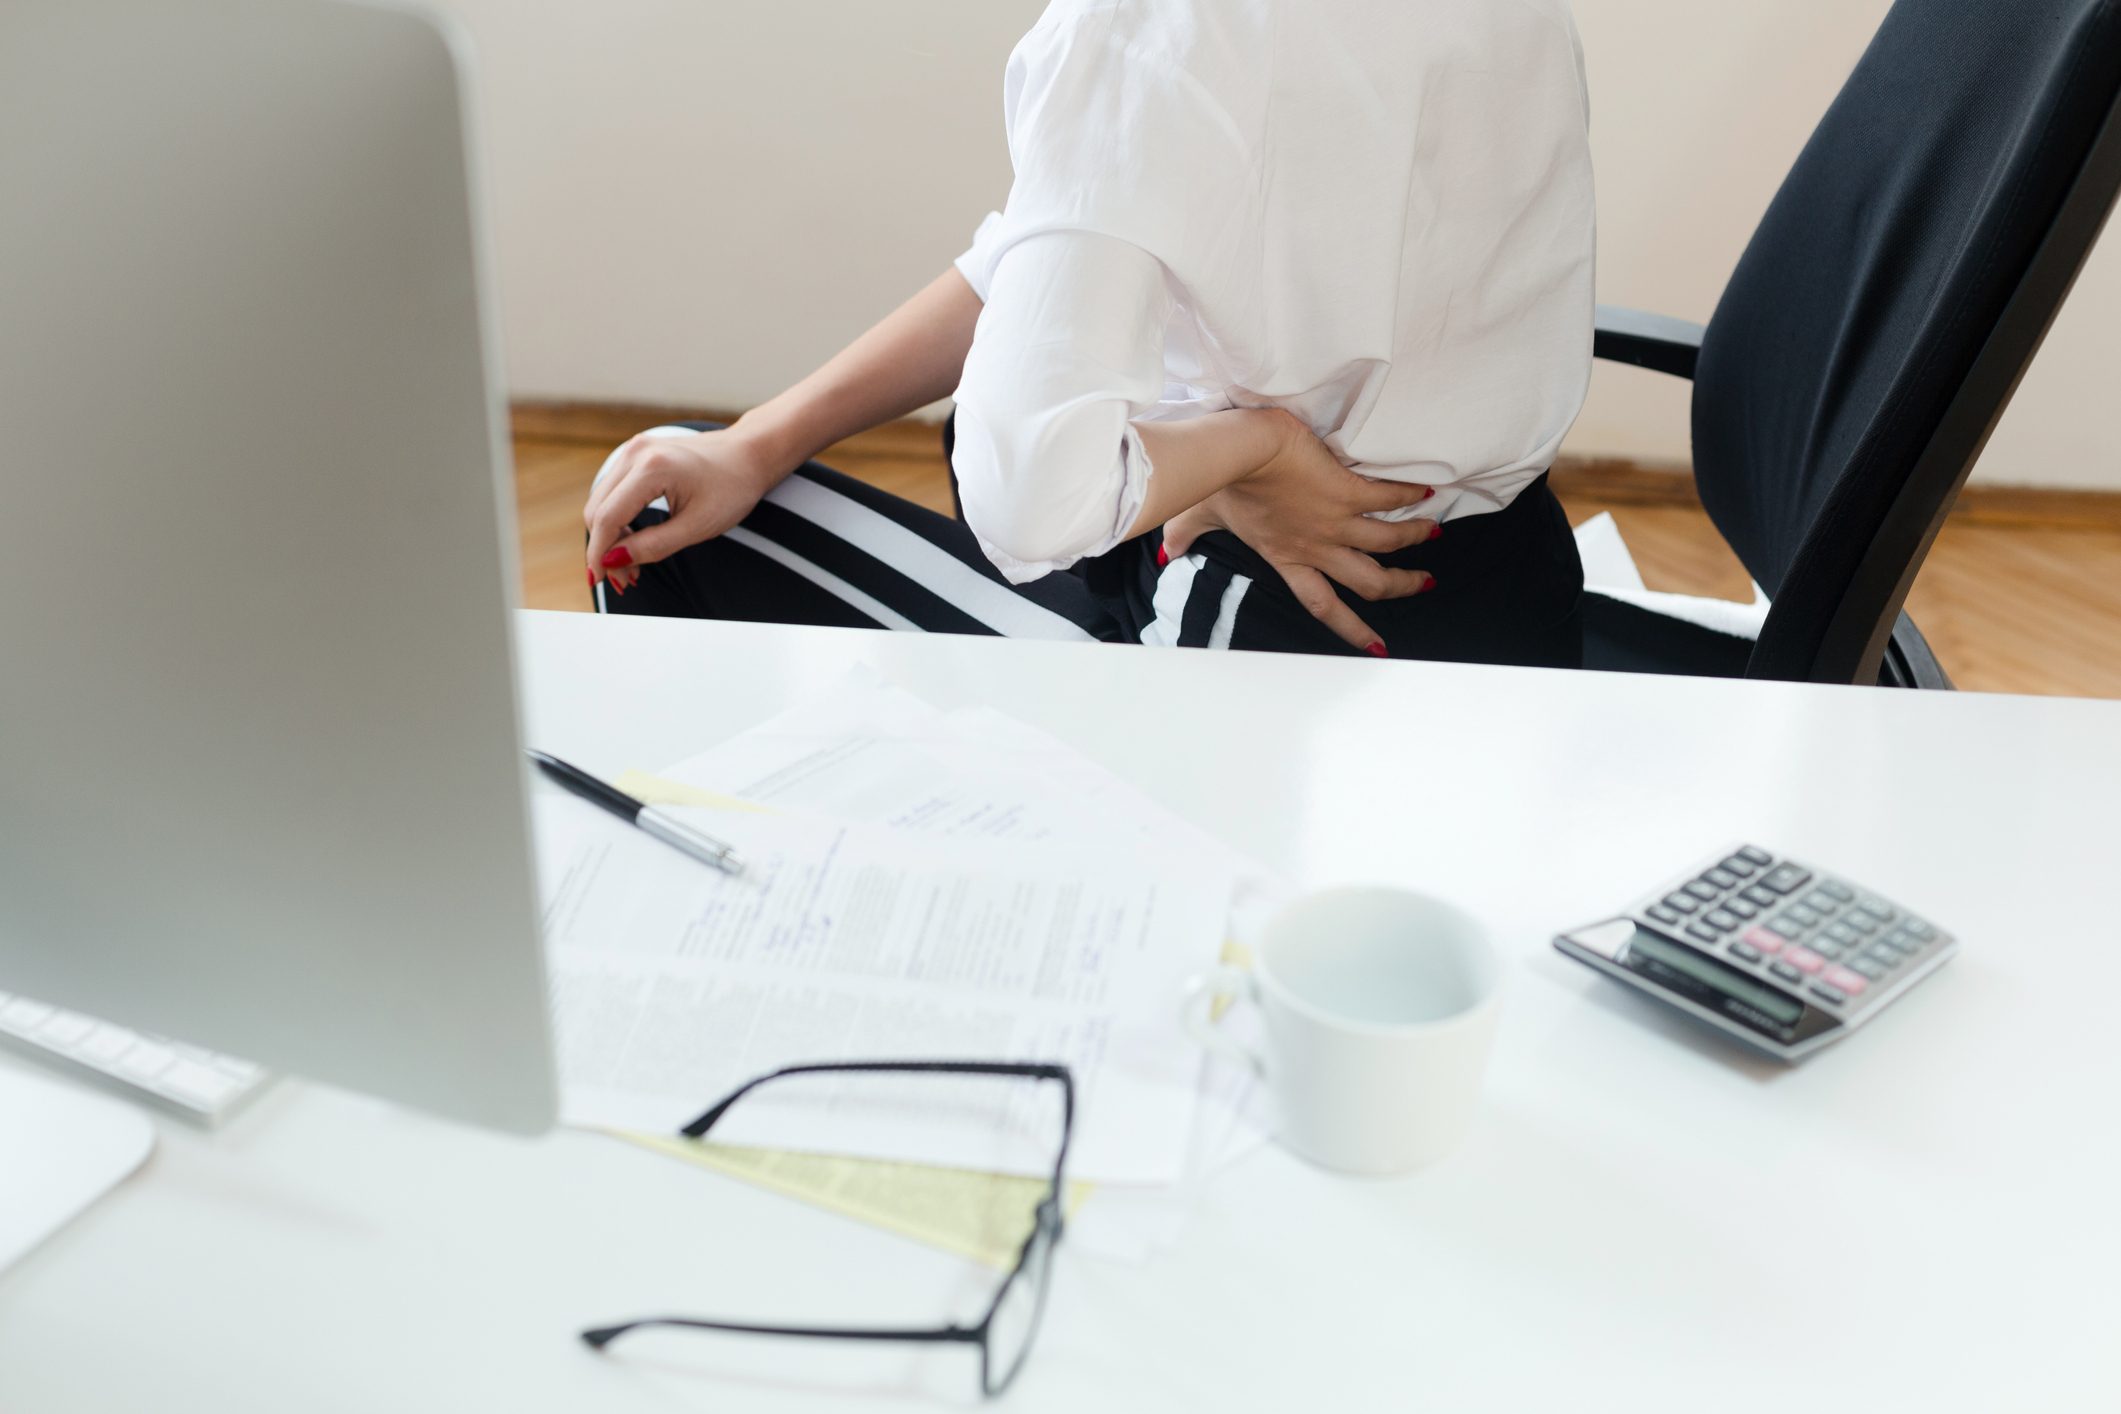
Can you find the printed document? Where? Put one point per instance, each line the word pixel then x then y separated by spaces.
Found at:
pixel 674 983
pixel 872 751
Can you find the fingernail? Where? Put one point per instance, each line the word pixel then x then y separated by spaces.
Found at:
pixel 1436 531
pixel 1163 557
pixel 1427 491
pixel 1430 585
pixel 616 557
pixel 591 576
pixel 620 586
pixel 1377 650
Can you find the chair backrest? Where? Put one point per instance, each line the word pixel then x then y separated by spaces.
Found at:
pixel 1892 297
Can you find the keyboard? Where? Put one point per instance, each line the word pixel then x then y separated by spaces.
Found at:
pixel 196 1084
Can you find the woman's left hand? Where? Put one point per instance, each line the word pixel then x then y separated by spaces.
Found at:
pixel 1310 518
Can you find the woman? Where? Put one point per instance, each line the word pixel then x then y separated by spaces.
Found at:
pixel 1282 288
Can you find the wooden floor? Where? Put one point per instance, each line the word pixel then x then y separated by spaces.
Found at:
pixel 2011 604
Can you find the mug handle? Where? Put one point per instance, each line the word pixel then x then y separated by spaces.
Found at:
pixel 1233 984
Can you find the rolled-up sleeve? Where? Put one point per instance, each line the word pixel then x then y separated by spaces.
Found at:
pixel 977 263
pixel 1069 351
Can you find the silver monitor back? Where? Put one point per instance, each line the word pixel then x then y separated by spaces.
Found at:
pixel 260 778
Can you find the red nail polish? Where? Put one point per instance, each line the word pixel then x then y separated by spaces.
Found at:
pixel 1427 491
pixel 620 586
pixel 591 576
pixel 616 557
pixel 1436 531
pixel 1377 650
pixel 1430 585
pixel 1163 557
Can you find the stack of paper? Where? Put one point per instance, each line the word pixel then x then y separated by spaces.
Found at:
pixel 1058 922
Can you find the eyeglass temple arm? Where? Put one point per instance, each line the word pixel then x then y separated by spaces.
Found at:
pixel 699 1127
pixel 603 1335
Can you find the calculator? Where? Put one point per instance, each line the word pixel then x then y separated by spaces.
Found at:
pixel 1779 953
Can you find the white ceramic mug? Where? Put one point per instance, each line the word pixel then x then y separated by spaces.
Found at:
pixel 1378 1006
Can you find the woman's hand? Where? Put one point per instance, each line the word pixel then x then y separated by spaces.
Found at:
pixel 711 480
pixel 915 355
pixel 1309 517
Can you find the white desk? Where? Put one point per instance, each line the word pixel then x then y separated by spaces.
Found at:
pixel 1644 1218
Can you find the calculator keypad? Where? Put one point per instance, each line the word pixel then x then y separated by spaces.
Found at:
pixel 1777 918
pixel 1850 982
pixel 1785 878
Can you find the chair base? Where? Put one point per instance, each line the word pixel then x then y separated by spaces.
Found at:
pixel 1909 661
pixel 1619 637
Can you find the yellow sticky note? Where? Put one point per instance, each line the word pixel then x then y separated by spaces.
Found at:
pixel 657 791
pixel 1235 954
pixel 983 1216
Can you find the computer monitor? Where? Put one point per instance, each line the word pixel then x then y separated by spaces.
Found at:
pixel 261 784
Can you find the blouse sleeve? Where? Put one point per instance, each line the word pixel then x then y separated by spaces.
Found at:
pixel 1132 180
pixel 1068 352
pixel 977 263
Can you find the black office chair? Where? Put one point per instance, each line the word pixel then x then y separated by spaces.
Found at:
pixel 1877 326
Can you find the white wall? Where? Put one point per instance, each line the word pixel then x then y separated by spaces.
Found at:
pixel 696 200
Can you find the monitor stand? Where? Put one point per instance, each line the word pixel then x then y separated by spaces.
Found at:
pixel 65 1149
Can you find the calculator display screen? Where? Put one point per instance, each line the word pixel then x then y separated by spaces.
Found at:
pixel 1711 973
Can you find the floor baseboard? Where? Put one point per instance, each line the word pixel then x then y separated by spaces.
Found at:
pixel 606 424
pixel 1618 479
pixel 1651 484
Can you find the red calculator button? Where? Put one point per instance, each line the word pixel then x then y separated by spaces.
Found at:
pixel 1804 959
pixel 1765 940
pixel 1851 982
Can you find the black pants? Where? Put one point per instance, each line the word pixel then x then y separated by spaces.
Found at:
pixel 823 548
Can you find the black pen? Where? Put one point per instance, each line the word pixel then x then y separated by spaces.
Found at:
pixel 670 830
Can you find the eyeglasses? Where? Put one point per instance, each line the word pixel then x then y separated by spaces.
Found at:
pixel 1005 1333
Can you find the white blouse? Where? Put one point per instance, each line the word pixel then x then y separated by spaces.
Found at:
pixel 1377 214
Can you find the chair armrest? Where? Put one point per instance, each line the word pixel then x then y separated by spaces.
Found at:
pixel 1910 661
pixel 1650 341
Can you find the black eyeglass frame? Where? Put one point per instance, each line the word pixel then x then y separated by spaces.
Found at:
pixel 1047 1223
